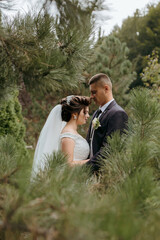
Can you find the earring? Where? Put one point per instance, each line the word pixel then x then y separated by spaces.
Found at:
pixel 74 117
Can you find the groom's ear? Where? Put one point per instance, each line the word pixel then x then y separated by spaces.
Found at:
pixel 106 87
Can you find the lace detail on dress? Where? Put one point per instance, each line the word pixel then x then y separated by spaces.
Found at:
pixel 81 149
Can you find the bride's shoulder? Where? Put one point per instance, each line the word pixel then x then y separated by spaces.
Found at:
pixel 68 130
pixel 68 133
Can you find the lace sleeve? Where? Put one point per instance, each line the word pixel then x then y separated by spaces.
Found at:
pixel 68 135
pixel 81 149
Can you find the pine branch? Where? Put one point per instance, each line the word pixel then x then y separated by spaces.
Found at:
pixel 9 55
pixel 23 228
pixel 5 178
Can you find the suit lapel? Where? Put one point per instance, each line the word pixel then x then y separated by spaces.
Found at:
pixel 107 108
pixel 101 116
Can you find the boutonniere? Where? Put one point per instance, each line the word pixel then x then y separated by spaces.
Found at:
pixel 96 123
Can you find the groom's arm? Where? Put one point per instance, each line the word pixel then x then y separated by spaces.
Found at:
pixel 118 121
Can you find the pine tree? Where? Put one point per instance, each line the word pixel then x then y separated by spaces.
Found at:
pixel 111 57
pixel 141 34
pixel 49 53
pixel 45 54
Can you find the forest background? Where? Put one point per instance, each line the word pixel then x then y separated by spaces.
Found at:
pixel 44 57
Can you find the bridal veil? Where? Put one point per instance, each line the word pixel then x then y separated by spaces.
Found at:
pixel 49 139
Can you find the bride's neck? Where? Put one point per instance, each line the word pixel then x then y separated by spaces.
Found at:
pixel 72 124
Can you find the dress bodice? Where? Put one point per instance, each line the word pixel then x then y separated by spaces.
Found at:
pixel 81 149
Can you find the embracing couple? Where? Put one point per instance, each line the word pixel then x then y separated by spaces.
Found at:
pixel 60 129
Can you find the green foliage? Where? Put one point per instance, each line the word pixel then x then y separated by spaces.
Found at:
pixel 11 121
pixel 35 113
pixel 149 34
pixel 47 53
pixel 139 148
pixel 151 74
pixel 13 162
pixel 7 74
pixel 131 166
pixel 111 57
pixel 141 34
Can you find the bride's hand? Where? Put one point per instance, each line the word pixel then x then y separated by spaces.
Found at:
pixel 81 162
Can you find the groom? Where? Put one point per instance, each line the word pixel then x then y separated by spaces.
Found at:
pixel 109 118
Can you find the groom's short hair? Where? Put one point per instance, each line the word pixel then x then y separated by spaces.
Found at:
pixel 101 78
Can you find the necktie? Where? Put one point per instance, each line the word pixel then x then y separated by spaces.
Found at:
pixel 98 113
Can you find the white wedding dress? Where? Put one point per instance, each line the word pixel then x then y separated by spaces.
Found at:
pixel 50 141
pixel 81 149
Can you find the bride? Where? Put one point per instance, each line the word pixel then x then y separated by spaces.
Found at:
pixel 60 133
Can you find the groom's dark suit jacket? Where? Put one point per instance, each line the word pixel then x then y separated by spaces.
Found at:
pixel 112 119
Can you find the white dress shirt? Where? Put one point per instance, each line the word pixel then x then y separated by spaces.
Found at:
pixel 102 108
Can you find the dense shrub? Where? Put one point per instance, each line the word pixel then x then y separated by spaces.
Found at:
pixel 11 120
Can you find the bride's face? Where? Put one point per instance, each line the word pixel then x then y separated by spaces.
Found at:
pixel 83 116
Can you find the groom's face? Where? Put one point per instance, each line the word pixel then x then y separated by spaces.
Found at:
pixel 98 94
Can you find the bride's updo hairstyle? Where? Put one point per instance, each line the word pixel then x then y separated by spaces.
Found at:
pixel 73 104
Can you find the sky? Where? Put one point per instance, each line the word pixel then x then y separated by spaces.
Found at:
pixel 119 10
